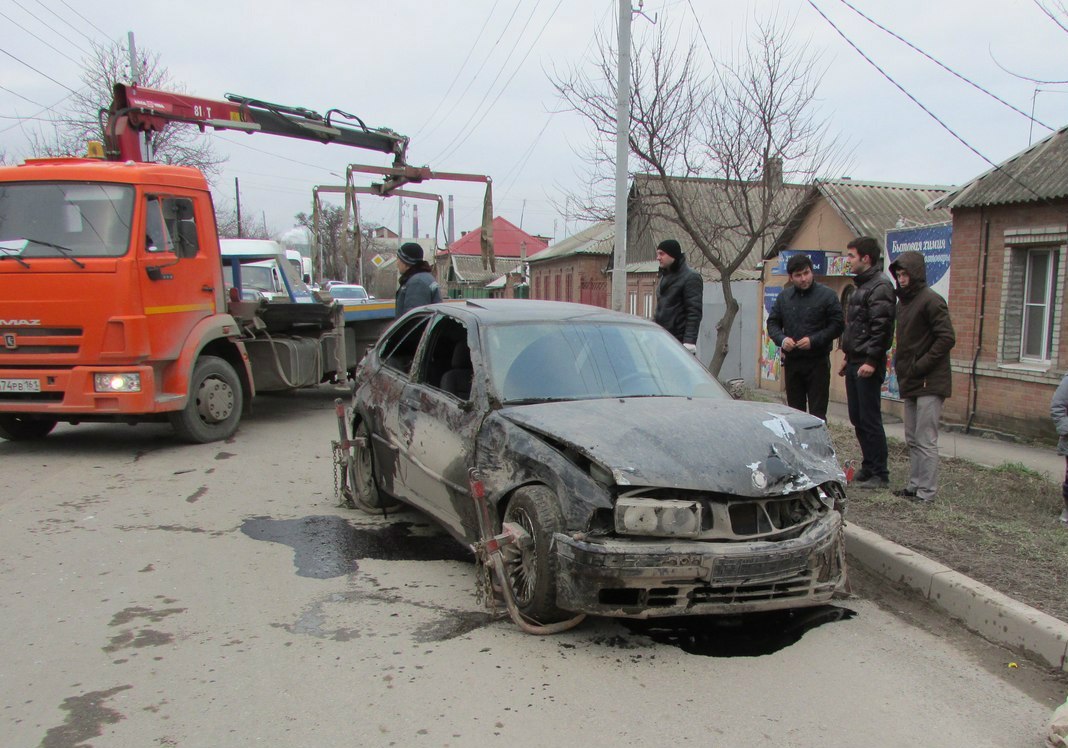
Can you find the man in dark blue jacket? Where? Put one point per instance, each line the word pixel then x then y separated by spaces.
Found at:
pixel 868 335
pixel 679 295
pixel 418 286
pixel 804 321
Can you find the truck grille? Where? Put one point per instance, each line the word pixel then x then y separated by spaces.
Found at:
pixel 37 341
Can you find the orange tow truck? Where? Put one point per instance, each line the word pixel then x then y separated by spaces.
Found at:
pixel 114 303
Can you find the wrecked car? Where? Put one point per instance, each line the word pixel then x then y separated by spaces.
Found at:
pixel 629 482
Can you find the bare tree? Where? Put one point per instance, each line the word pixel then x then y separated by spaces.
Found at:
pixel 226 222
pixel 107 65
pixel 716 145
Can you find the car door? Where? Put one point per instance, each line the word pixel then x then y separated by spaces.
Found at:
pixel 443 425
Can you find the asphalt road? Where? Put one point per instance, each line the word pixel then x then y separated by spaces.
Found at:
pixel 163 594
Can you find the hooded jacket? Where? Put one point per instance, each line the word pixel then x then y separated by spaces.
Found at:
pixel 869 329
pixel 679 301
pixel 924 333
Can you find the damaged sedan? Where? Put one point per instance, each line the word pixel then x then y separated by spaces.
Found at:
pixel 606 468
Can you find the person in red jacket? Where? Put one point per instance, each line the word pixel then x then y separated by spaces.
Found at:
pixel 924 339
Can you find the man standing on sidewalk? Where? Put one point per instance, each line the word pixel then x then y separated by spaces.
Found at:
pixel 1058 410
pixel 804 322
pixel 924 339
pixel 868 333
pixel 679 304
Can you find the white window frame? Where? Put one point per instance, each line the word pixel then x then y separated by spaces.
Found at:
pixel 632 302
pixel 1047 305
pixel 649 309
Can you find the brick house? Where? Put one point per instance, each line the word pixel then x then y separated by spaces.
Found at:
pixel 575 268
pixel 1010 239
pixel 832 214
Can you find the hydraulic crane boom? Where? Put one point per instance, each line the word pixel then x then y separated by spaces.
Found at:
pixel 135 109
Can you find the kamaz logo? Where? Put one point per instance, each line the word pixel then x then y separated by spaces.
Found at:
pixel 20 322
pixel 9 341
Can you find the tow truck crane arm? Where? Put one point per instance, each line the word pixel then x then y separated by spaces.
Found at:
pixel 135 109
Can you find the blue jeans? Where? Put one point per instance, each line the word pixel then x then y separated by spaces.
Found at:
pixel 866 414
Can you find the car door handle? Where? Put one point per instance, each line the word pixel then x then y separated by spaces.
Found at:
pixel 411 401
pixel 207 289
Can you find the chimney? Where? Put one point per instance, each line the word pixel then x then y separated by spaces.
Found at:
pixel 415 221
pixel 773 172
pixel 452 234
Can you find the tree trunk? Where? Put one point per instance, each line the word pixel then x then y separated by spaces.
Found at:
pixel 723 329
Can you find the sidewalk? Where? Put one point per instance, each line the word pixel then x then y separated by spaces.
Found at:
pixel 981 609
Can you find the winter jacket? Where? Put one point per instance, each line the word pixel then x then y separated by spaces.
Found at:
pixel 869 324
pixel 1058 411
pixel 679 301
pixel 814 313
pixel 924 333
pixel 418 287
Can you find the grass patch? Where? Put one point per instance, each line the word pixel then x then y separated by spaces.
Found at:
pixel 997 525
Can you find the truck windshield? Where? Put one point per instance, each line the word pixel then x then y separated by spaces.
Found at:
pixel 85 219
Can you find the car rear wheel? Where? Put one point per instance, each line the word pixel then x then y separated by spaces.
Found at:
pixel 530 563
pixel 365 494
pixel 18 428
pixel 213 409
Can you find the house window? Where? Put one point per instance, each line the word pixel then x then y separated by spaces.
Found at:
pixel 632 302
pixel 1036 336
pixel 568 288
pixel 556 296
pixel 648 304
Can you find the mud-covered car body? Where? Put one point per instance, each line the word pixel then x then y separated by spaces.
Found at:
pixel 663 495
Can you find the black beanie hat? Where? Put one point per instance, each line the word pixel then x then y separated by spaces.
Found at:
pixel 410 253
pixel 670 247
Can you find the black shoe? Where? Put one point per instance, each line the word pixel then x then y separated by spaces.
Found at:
pixel 872 483
pixel 862 475
pixel 904 493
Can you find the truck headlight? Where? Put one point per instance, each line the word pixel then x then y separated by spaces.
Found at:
pixel 667 518
pixel 117 382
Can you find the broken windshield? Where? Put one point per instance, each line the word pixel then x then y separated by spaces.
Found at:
pixel 72 219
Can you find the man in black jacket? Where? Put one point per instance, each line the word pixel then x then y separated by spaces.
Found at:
pixel 804 321
pixel 868 335
pixel 679 295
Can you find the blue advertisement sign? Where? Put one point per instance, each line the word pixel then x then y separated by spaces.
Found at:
pixel 818 257
pixel 934 242
pixel 770 294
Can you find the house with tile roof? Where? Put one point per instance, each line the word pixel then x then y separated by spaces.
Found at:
pixel 831 213
pixel 462 271
pixel 1010 246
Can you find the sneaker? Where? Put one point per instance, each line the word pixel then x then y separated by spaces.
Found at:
pixel 905 493
pixel 1064 517
pixel 872 483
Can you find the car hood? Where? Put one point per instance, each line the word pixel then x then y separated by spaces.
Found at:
pixel 725 446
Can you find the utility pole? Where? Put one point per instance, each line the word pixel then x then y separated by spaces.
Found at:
pixel 135 79
pixel 619 256
pixel 237 193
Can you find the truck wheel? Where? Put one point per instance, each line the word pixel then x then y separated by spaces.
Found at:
pixel 214 406
pixel 18 428
pixel 531 563
pixel 365 492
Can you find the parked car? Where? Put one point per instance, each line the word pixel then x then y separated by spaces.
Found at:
pixel 637 486
pixel 348 293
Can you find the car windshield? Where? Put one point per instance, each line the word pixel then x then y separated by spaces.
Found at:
pixel 73 219
pixel 540 361
pixel 348 292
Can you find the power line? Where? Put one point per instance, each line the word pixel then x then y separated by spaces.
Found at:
pixel 36 114
pixel 31 67
pixel 88 21
pixel 56 49
pixel 87 37
pixel 49 27
pixel 941 65
pixel 917 102
pixel 283 158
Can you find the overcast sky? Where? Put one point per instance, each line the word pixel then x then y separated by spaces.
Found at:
pixel 469 82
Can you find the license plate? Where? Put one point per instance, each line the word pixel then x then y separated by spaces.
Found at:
pixel 20 385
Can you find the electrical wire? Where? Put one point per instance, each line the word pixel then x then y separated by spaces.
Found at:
pixel 102 32
pixel 275 155
pixel 917 102
pixel 31 67
pixel 87 37
pixel 948 69
pixel 38 113
pixel 49 27
pixel 55 49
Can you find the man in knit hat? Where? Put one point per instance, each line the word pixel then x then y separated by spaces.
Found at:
pixel 418 286
pixel 679 295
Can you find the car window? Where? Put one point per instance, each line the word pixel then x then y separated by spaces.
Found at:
pixel 582 360
pixel 399 346
pixel 447 362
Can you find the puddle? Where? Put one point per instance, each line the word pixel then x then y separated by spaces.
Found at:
pixel 750 635
pixel 328 546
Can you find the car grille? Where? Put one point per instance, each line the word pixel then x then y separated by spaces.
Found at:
pixel 35 341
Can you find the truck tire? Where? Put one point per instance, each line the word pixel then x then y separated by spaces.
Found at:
pixel 366 494
pixel 531 566
pixel 213 409
pixel 18 428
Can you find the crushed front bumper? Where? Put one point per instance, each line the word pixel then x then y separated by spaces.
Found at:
pixel 647 578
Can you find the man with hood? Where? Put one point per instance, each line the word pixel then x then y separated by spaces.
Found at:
pixel 924 339
pixel 679 295
pixel 869 330
pixel 418 287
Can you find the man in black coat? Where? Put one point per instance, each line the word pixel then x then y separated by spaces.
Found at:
pixel 804 322
pixel 868 335
pixel 679 295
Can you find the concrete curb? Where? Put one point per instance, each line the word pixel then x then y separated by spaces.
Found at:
pixel 983 610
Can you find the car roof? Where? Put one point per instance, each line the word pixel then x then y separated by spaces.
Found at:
pixel 504 311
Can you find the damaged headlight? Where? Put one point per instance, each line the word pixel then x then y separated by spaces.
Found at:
pixel 663 518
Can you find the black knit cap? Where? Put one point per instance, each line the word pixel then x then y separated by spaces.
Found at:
pixel 670 247
pixel 410 253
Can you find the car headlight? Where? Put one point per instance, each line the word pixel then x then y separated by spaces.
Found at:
pixel 667 518
pixel 117 382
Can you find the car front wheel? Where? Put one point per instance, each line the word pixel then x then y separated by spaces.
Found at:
pixel 20 428
pixel 213 409
pixel 530 563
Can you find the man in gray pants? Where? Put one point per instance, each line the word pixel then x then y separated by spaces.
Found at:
pixel 924 339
